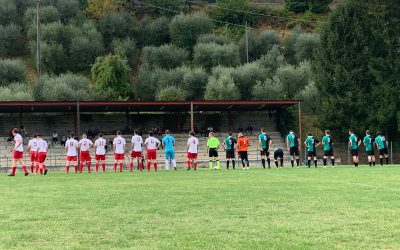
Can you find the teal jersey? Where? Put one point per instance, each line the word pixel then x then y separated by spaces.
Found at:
pixel 368 143
pixel 380 141
pixel 264 138
pixel 291 138
pixel 327 141
pixel 230 143
pixel 353 140
pixel 310 142
pixel 168 141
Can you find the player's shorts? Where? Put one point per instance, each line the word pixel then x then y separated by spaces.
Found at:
pixel 294 151
pixel 311 154
pixel 18 155
pixel 151 154
pixel 243 155
pixel 264 152
pixel 213 152
pixel 41 157
pixel 33 156
pixel 328 152
pixel 100 157
pixel 383 151
pixel 230 154
pixel 370 153
pixel 136 154
pixel 354 152
pixel 119 157
pixel 85 156
pixel 278 154
pixel 72 158
pixel 192 156
pixel 169 155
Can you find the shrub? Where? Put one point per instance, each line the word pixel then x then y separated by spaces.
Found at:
pixel 83 52
pixel 171 93
pixel 221 88
pixel 12 71
pixel 165 56
pixel 53 57
pixel 267 90
pixel 11 40
pixel 236 11
pixel 115 25
pixel 213 38
pixel 8 12
pixel 209 55
pixel 305 46
pixel 293 79
pixel 319 6
pixel 289 45
pixel 16 92
pixel 272 60
pixel 154 33
pixel 67 9
pixel 296 5
pixel 127 48
pixel 185 29
pixel 258 45
pixel 246 77
pixel 193 81
pixel 48 14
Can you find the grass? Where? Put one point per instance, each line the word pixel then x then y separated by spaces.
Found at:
pixel 340 208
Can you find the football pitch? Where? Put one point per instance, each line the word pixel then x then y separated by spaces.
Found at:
pixel 340 208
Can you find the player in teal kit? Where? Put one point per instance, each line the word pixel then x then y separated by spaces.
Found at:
pixel 311 143
pixel 354 144
pixel 381 144
pixel 264 142
pixel 229 146
pixel 292 144
pixel 368 142
pixel 168 143
pixel 328 148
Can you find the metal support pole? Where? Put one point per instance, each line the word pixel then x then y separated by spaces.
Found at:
pixel 191 116
pixel 78 121
pixel 38 66
pixel 300 134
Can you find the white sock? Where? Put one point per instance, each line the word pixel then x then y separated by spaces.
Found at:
pixel 174 163
pixel 167 164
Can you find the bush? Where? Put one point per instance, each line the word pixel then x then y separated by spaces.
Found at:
pixel 213 38
pixel 221 88
pixel 185 30
pixel 316 6
pixel 53 57
pixel 171 93
pixel 272 60
pixel 310 98
pixel 8 12
pixel 319 6
pixel 12 71
pixel 289 45
pixel 236 11
pixel 246 77
pixel 305 46
pixel 99 9
pixel 48 14
pixel 55 32
pixel 146 85
pixel 209 55
pixel 83 53
pixel 11 40
pixel 16 92
pixel 267 90
pixel 164 7
pixel 115 26
pixel 193 81
pixel 66 87
pixel 293 79
pixel 67 9
pixel 127 48
pixel 165 56
pixel 153 33
pixel 110 73
pixel 296 5
pixel 258 45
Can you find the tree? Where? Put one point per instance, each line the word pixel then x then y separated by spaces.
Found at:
pixel 67 9
pixel 166 56
pixel 171 93
pixel 153 32
pixel 8 12
pixel 127 48
pixel 296 5
pixel 16 92
pixel 267 90
pixel 213 38
pixel 258 45
pixel 246 76
pixel 11 40
pixel 221 88
pixel 83 52
pixel 319 6
pixel 185 29
pixel 193 81
pixel 272 60
pixel 12 71
pixel 289 45
pixel 305 45
pixel 53 57
pixel 209 55
pixel 100 8
pixel 110 73
pixel 164 7
pixel 236 11
pixel 48 14
pixel 293 78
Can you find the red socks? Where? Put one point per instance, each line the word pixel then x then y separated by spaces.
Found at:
pixel 97 167
pixel 140 166
pixel 76 169
pixel 155 166
pixel 24 168
pixel 115 167
pixel 88 166
pixel 195 165
pixel 131 166
pixel 13 170
pixel 32 168
pixel 148 166
pixel 36 169
pixel 80 167
pixel 104 167
pixel 121 166
pixel 41 171
pixel 67 169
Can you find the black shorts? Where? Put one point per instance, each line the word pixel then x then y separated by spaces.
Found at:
pixel 213 152
pixel 354 152
pixel 264 152
pixel 243 155
pixel 294 151
pixel 370 153
pixel 311 154
pixel 230 154
pixel 383 151
pixel 278 154
pixel 328 152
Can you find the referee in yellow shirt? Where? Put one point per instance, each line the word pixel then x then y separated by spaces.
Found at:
pixel 212 150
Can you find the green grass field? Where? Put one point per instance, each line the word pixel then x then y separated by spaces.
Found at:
pixel 340 208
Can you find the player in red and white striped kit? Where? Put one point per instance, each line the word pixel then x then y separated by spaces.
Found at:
pixel 119 151
pixel 18 153
pixel 152 144
pixel 32 149
pixel 137 142
pixel 85 144
pixel 192 150
pixel 41 154
pixel 100 155
pixel 71 145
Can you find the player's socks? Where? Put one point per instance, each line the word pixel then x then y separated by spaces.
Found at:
pixel 263 163
pixel 233 164
pixel 292 162
pixel 36 169
pixel 131 166
pixel 97 167
pixel 41 171
pixel 356 164
pixel 381 161
pixel 32 168
pixel 76 169
pixel 370 163
pixel 218 165
pixel 195 165
pixel 276 164
pixel 188 164
pixel 325 162
pixel 167 164
pixel 67 169
pixel 309 163
pixel 155 166
pixel 121 166
pixel 174 163
pixel 104 167
pixel 13 170
pixel 387 160
pixel 140 166
pixel 148 166
pixel 373 163
pixel 281 162
pixel 333 162
pixel 88 166
pixel 24 168
pixel 315 163
pixel 81 167
pixel 227 164
pixel 243 165
pixel 269 162
pixel 298 162
pixel 44 167
pixel 210 164
pixel 115 167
